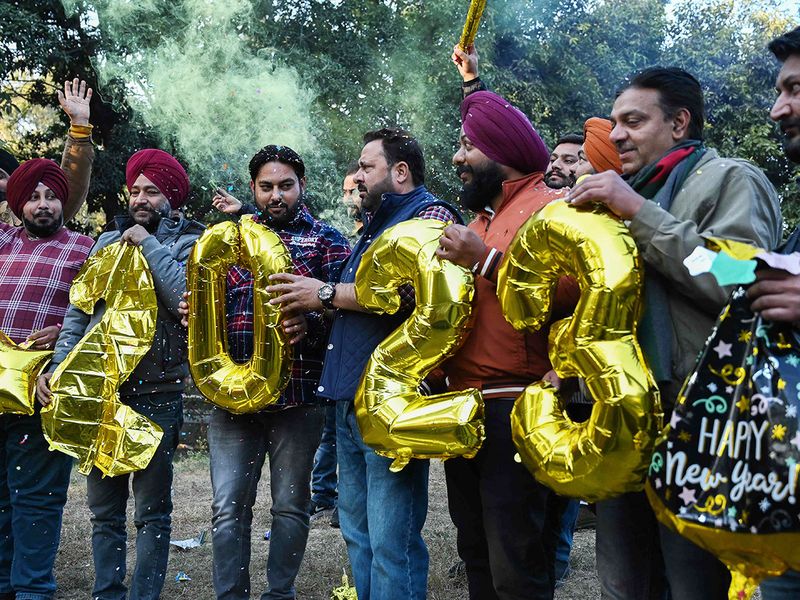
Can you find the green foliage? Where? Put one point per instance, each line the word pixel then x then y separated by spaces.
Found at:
pixel 213 81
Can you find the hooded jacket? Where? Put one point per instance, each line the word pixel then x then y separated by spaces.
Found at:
pixel 163 368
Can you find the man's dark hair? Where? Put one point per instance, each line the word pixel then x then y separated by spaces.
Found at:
pixel 400 146
pixel 570 138
pixel 281 154
pixel 676 89
pixel 352 168
pixel 786 45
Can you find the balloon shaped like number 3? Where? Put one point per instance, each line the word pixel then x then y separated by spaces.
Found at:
pixel 393 417
pixel 609 454
pixel 86 419
pixel 238 388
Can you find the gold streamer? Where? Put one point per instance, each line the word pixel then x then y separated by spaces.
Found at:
pixel 86 419
pixel 472 23
pixel 238 388
pixel 393 417
pixel 19 368
pixel 610 453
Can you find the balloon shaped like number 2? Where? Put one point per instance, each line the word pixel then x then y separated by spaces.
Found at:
pixel 393 417
pixel 86 419
pixel 610 453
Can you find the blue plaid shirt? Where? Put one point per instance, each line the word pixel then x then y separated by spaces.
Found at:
pixel 319 251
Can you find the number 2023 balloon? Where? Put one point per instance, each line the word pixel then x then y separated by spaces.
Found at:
pixel 86 419
pixel 237 388
pixel 609 454
pixel 394 419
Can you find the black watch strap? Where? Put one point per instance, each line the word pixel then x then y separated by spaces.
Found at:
pixel 326 295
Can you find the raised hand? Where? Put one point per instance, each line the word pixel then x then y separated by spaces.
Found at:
pixel 466 62
pixel 225 203
pixel 75 101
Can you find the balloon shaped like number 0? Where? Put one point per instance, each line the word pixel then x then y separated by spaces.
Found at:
pixel 86 419
pixel 394 419
pixel 609 454
pixel 238 388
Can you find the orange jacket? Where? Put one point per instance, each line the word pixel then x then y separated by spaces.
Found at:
pixel 496 355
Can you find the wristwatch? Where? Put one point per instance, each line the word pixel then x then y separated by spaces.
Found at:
pixel 326 294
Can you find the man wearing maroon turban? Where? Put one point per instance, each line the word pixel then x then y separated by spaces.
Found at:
pixel 157 184
pixel 497 507
pixel 38 261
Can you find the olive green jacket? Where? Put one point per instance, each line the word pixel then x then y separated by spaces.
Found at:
pixel 725 198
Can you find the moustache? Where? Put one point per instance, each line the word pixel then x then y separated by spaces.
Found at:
pixel 42 213
pixel 792 123
pixel 461 169
pixel 624 148
pixel 362 188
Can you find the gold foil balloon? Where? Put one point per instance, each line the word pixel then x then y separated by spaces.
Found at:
pixel 86 419
pixel 608 454
pixel 19 368
pixel 471 24
pixel 394 418
pixel 238 388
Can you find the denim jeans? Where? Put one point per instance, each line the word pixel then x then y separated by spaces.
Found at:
pixel 381 515
pixel 569 516
pixel 323 477
pixel 152 494
pixel 639 559
pixel 33 491
pixel 785 587
pixel 505 535
pixel 239 444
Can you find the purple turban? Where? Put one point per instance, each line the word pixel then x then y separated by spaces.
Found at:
pixel 503 133
pixel 163 171
pixel 28 175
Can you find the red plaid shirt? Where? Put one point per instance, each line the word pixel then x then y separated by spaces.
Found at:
pixel 319 251
pixel 35 277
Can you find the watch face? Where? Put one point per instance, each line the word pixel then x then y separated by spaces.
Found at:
pixel 325 292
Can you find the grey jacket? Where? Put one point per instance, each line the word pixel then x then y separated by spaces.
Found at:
pixel 725 198
pixel 163 368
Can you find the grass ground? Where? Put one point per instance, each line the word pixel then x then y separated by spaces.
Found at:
pixel 325 557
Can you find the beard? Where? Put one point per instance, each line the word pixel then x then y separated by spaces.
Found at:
pixel 46 229
pixel 486 184
pixel 282 220
pixel 791 144
pixel 153 218
pixel 374 196
pixel 564 180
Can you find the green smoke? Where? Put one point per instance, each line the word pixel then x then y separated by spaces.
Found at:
pixel 194 79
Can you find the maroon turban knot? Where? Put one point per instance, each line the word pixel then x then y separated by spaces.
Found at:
pixel 503 133
pixel 28 175
pixel 163 171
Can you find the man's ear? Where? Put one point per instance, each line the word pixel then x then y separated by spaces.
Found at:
pixel 401 172
pixel 302 181
pixel 680 124
pixel 253 187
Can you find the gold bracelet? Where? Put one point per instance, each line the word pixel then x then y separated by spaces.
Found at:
pixel 80 131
